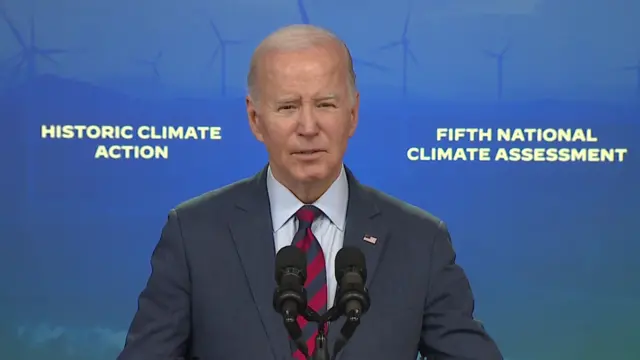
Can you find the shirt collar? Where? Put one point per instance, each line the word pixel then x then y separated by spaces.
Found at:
pixel 333 203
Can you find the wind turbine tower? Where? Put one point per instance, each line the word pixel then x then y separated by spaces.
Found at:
pixel 499 57
pixel 153 64
pixel 407 54
pixel 304 17
pixel 222 50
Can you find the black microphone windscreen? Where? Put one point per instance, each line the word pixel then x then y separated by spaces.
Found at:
pixel 351 257
pixel 290 257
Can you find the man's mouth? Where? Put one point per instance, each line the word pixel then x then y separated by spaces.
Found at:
pixel 307 152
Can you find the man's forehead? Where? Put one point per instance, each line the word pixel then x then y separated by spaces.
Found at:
pixel 326 84
pixel 327 53
pixel 309 73
pixel 290 63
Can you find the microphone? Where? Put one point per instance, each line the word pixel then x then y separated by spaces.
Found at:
pixel 353 298
pixel 351 274
pixel 290 296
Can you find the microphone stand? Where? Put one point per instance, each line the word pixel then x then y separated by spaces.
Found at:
pixel 349 327
pixel 321 351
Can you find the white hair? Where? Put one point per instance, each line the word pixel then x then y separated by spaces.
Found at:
pixel 293 38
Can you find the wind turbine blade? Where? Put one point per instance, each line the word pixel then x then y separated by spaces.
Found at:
pixel 405 30
pixel 215 30
pixel 370 65
pixel 14 30
pixel 391 45
pixel 159 56
pixel 49 58
pixel 490 53
pixel 156 72
pixel 505 49
pixel 412 56
pixel 232 42
pixel 303 12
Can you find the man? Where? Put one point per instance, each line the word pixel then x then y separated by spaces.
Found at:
pixel 211 289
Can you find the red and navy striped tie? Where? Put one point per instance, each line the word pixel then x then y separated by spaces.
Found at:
pixel 316 283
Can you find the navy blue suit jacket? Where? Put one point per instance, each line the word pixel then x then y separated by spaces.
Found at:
pixel 209 295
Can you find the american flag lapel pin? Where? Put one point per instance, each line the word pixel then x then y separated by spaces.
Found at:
pixel 370 239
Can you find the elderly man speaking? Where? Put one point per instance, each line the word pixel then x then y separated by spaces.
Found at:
pixel 210 292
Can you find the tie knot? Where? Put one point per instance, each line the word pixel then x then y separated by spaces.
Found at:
pixel 307 214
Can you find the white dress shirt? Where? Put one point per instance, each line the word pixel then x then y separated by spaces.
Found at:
pixel 328 228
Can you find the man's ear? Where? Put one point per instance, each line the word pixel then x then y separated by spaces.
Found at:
pixel 355 113
pixel 254 118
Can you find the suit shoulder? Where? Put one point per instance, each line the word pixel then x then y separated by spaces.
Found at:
pixel 403 210
pixel 213 199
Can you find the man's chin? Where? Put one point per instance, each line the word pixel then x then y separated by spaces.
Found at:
pixel 309 173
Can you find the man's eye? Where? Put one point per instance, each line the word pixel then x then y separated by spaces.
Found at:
pixel 286 107
pixel 327 105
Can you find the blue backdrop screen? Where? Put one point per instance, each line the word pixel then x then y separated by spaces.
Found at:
pixel 548 237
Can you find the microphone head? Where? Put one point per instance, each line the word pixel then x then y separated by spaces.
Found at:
pixel 350 258
pixel 290 257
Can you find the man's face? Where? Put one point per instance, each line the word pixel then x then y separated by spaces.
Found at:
pixel 304 113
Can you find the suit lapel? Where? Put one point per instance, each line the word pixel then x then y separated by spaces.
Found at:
pixel 363 219
pixel 252 232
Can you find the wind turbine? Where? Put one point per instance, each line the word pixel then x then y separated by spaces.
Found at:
pixel 499 56
pixel 303 12
pixel 406 51
pixel 222 49
pixel 28 55
pixel 153 63
pixel 635 68
pixel 304 16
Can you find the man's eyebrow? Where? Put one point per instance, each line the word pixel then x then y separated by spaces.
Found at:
pixel 327 97
pixel 287 99
pixel 296 99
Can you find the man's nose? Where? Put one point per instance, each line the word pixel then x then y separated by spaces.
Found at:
pixel 308 121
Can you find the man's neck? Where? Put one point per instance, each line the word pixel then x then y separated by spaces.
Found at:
pixel 307 193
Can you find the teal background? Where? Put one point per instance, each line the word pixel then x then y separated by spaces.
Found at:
pixel 551 249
